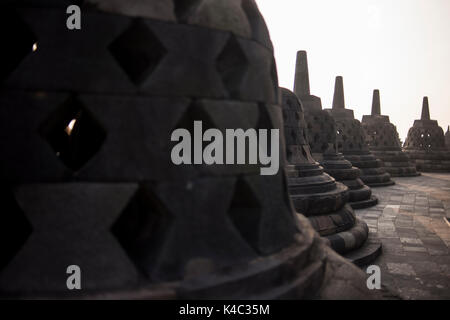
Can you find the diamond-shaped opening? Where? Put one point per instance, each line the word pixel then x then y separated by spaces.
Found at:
pixel 14 227
pixel 18 41
pixel 195 112
pixel 74 134
pixel 138 51
pixel 141 228
pixel 184 8
pixel 245 212
pixel 232 65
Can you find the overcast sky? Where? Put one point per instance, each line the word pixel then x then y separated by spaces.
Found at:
pixel 401 47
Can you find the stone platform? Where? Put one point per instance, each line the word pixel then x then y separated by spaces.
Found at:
pixel 410 220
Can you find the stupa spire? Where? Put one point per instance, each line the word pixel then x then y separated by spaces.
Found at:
pixel 338 99
pixel 376 109
pixel 425 109
pixel 301 85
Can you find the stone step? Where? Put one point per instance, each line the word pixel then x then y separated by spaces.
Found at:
pixel 363 256
pixel 372 201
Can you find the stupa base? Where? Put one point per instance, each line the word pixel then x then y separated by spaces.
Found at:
pixel 372 201
pixel 402 172
pixel 380 184
pixel 373 173
pixel 365 255
pixel 433 165
pixel 397 163
pixel 308 269
pixel 351 239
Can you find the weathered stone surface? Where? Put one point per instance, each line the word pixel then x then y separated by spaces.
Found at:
pixel 240 17
pixel 87 178
pixel 411 223
pixel 70 226
pixel 138 56
pixel 321 131
pixel 426 145
pixel 343 171
pixel 351 141
pixel 313 192
pixel 384 142
pixel 447 138
pixel 159 9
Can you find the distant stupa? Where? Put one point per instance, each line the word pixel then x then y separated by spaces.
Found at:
pixel 317 195
pixel 351 141
pixel 383 140
pixel 426 143
pixel 321 132
pixel 447 138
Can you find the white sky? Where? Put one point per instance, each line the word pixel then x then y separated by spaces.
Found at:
pixel 401 47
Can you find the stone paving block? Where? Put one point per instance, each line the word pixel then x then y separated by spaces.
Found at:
pixel 391 249
pixel 403 224
pixel 411 241
pixel 371 215
pixel 386 235
pixel 401 269
pixel 407 231
pixel 438 252
pixel 432 240
pixel 415 249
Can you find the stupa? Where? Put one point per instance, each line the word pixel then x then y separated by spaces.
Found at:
pixel 351 141
pixel 447 138
pixel 316 194
pixel 87 177
pixel 425 143
pixel 384 142
pixel 321 131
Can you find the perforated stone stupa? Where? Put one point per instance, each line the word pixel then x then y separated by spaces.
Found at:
pixel 425 143
pixel 447 138
pixel 351 141
pixel 313 192
pixel 384 142
pixel 321 131
pixel 85 125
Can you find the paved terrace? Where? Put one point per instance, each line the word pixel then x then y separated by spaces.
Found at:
pixel 411 223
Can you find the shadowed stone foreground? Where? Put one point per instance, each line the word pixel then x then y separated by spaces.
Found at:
pixel 86 174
